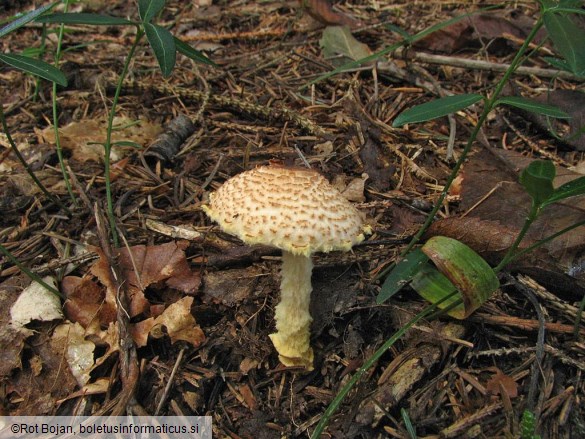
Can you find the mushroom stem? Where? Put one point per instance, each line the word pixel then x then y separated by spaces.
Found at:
pixel 293 319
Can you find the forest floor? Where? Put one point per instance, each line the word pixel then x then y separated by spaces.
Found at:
pixel 201 303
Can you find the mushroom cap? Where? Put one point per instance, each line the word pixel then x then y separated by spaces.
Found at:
pixel 293 209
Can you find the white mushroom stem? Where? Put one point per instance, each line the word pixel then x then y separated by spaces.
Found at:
pixel 293 319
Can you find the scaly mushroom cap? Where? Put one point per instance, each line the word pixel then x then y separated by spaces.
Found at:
pixel 293 209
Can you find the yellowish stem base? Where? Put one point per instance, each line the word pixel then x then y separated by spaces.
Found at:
pixel 293 319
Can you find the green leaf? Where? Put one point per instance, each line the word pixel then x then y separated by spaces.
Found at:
pixel 194 54
pixel 402 274
pixel 557 63
pixel 35 67
pixel 571 189
pixel 568 39
pixel 435 287
pixel 163 46
pixel 533 106
pixel 26 18
pixel 149 8
pixel 408 423
pixel 537 178
pixel 85 18
pixel 437 108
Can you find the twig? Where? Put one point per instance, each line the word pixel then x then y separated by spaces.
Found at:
pixel 170 382
pixel 475 64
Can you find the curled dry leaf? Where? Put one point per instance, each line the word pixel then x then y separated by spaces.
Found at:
pixel 177 321
pixel 78 345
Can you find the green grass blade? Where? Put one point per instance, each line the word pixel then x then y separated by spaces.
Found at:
pixel 533 106
pixel 26 18
pixel 194 54
pixel 408 423
pixel 401 274
pixel 571 189
pixel 149 8
pixel 436 108
pixel 163 46
pixel 84 18
pixel 35 67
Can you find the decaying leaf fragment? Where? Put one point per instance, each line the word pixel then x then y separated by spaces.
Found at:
pixel 340 46
pixel 35 303
pixel 85 138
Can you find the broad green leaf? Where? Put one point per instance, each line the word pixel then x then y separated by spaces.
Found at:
pixel 26 18
pixel 84 18
pixel 568 39
pixel 402 274
pixel 467 271
pixel 537 178
pixel 533 106
pixel 149 8
pixel 435 287
pixel 194 54
pixel 437 108
pixel 163 46
pixel 571 189
pixel 35 67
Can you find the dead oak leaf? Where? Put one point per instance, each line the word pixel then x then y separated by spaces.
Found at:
pixel 178 322
pixel 146 265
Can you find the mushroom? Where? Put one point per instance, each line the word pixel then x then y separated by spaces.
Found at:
pixel 299 212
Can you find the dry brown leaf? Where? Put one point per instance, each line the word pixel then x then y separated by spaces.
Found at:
pixel 153 264
pixel 501 380
pixel 85 138
pixel 85 302
pixel 176 321
pixel 69 338
pixel 322 11
pixel 490 29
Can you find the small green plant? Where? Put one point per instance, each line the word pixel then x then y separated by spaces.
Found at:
pixel 537 179
pixel 164 46
pixel 528 426
pixel 36 67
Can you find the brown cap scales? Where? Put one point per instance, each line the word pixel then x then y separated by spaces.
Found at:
pixel 293 209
